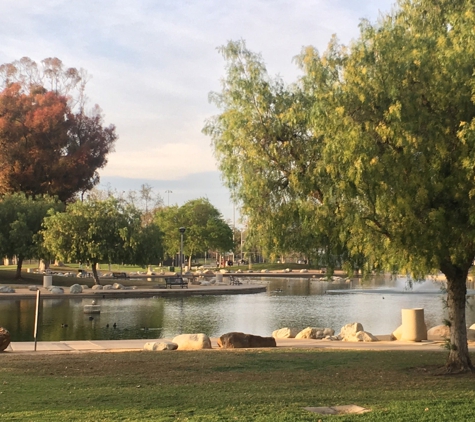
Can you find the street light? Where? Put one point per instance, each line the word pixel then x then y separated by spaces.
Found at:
pixel 182 231
pixel 168 192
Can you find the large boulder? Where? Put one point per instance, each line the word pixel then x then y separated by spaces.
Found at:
pixel 439 332
pixel 75 288
pixel 350 330
pixel 285 333
pixel 192 341
pixel 4 338
pixel 154 346
pixel 56 290
pixel 310 333
pixel 236 340
pixel 97 287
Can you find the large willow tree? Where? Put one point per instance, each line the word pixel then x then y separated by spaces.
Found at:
pixel 391 145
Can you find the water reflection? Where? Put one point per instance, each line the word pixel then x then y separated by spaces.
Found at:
pixel 288 302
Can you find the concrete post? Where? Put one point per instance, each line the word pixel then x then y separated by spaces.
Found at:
pixel 413 325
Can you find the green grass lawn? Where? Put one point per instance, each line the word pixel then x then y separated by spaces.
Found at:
pixel 242 385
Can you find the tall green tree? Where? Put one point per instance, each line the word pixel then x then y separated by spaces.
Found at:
pixel 205 228
pixel 21 219
pixel 269 157
pixel 108 231
pixel 398 114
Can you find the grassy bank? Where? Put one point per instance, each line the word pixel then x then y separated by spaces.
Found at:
pixel 215 385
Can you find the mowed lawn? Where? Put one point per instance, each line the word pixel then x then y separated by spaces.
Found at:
pixel 241 385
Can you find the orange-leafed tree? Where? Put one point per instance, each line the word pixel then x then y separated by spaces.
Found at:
pixel 49 144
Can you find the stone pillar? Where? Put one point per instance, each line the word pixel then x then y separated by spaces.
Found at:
pixel 47 281
pixel 413 325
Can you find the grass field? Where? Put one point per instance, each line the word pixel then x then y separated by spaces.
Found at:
pixel 242 385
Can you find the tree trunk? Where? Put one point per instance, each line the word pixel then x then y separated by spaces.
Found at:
pixel 19 262
pixel 94 273
pixel 459 358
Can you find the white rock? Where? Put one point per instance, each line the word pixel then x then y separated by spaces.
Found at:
pixel 285 333
pixel 304 270
pixel 160 345
pixel 310 333
pixel 264 271
pixel 84 286
pixel 97 287
pixel 107 287
pixel 439 332
pixel 472 327
pixel 75 288
pixel 117 286
pixel 192 341
pixel 350 330
pixel 56 290
pixel 205 283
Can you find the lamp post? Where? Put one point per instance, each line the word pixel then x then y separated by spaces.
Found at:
pixel 168 192
pixel 182 231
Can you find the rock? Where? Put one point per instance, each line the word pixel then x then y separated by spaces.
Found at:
pixel 56 290
pixel 264 271
pixel 33 288
pixel 328 332
pixel 205 283
pixel 397 333
pixel 309 333
pixel 75 288
pixel 439 332
pixel 84 287
pixel 6 289
pixel 472 327
pixel 160 345
pixel 350 330
pixel 236 340
pixel 97 287
pixel 107 287
pixel 4 339
pixel 117 286
pixel 363 336
pixel 192 341
pixel 304 270
pixel 285 333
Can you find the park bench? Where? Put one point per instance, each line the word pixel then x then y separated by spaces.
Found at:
pixel 119 275
pixel 176 281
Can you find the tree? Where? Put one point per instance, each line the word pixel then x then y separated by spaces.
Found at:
pixel 47 147
pixel 96 231
pixel 21 219
pixel 398 113
pixel 393 145
pixel 205 228
pixel 271 158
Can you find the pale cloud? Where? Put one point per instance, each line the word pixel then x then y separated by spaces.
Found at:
pixel 154 62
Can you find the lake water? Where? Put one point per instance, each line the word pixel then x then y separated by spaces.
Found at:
pixel 288 302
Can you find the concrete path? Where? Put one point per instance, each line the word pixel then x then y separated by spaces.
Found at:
pixel 136 345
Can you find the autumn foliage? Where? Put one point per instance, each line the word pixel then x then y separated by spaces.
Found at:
pixel 47 148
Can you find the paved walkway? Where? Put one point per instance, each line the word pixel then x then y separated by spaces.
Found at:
pixel 136 345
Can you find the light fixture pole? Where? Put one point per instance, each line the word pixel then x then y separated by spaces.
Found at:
pixel 168 192
pixel 182 231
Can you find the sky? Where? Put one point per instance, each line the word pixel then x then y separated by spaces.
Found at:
pixel 154 62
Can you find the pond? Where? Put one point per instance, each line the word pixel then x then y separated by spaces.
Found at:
pixel 288 302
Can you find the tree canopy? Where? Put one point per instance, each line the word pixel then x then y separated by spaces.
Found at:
pixel 204 224
pixel 47 147
pixel 21 219
pixel 390 145
pixel 107 231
